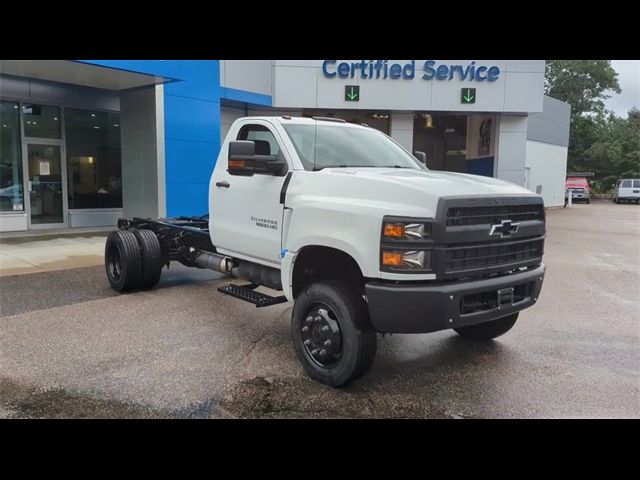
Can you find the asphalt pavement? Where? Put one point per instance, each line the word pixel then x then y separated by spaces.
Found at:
pixel 70 347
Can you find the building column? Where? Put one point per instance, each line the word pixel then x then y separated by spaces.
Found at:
pixel 511 149
pixel 143 163
pixel 402 129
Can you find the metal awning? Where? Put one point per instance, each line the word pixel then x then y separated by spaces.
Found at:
pixel 78 73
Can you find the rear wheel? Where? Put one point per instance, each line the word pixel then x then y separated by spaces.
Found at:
pixel 489 330
pixel 331 333
pixel 123 261
pixel 151 258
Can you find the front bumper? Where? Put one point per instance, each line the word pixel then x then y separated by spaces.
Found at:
pixel 423 308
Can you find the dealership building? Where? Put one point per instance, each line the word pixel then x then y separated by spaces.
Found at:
pixel 83 143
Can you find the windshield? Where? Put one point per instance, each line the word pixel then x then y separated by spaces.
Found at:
pixel 326 146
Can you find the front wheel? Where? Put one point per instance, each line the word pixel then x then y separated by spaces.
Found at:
pixel 331 332
pixel 489 330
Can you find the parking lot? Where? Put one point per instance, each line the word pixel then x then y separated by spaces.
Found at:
pixel 71 347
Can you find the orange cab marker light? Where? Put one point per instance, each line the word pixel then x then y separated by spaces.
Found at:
pixel 237 164
pixel 392 258
pixel 393 230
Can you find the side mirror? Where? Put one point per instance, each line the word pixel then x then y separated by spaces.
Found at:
pixel 421 156
pixel 242 158
pixel 243 161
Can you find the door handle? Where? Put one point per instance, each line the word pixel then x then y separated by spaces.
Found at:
pixel 223 184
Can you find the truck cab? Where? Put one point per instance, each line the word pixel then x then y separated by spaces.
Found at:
pixel 362 238
pixel 579 189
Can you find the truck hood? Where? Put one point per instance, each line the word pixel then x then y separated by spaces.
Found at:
pixel 436 183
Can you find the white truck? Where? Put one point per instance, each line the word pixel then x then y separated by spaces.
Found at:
pixel 357 232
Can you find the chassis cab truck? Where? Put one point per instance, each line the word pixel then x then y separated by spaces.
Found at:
pixel 356 232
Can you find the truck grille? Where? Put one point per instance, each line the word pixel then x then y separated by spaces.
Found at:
pixel 462 258
pixel 493 214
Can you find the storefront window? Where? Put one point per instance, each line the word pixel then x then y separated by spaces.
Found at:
pixel 41 121
pixel 94 168
pixel 11 193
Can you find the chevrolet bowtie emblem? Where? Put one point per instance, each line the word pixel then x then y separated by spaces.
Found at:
pixel 504 228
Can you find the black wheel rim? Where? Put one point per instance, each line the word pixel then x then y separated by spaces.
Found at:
pixel 113 262
pixel 321 335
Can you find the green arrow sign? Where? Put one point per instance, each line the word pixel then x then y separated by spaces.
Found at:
pixel 468 95
pixel 351 93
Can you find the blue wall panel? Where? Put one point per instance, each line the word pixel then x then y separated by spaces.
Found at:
pixel 246 97
pixel 191 119
pixel 190 162
pixel 480 166
pixel 188 198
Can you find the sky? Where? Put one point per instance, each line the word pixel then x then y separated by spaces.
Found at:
pixel 629 79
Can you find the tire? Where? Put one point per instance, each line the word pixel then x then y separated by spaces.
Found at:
pixel 588 201
pixel 342 309
pixel 152 261
pixel 483 332
pixel 122 261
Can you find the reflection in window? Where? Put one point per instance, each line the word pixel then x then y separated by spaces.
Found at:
pixel 11 194
pixel 41 121
pixel 94 167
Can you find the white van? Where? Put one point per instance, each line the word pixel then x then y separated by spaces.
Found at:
pixel 627 190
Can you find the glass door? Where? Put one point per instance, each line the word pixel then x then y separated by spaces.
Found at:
pixel 45 185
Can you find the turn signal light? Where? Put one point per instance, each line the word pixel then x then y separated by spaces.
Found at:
pixel 392 259
pixel 395 230
pixel 237 163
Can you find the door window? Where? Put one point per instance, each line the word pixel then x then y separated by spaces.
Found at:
pixel 626 184
pixel 266 143
pixel 636 184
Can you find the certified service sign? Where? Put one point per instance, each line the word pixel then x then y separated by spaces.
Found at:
pixel 429 70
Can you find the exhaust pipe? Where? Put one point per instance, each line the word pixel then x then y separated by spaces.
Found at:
pixel 214 261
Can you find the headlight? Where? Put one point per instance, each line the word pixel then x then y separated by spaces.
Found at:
pixel 406 244
pixel 410 259
pixel 406 231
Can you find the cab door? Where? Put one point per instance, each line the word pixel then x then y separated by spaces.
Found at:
pixel 246 210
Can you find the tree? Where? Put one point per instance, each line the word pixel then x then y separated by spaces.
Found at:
pixel 616 151
pixel 585 84
pixel 581 83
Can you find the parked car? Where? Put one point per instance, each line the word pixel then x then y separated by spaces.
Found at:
pixel 579 189
pixel 627 190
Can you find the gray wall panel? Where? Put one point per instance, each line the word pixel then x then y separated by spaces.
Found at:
pixel 141 173
pixel 552 125
pixel 298 83
pixel 249 75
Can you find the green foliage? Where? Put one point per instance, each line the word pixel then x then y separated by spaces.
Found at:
pixel 599 141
